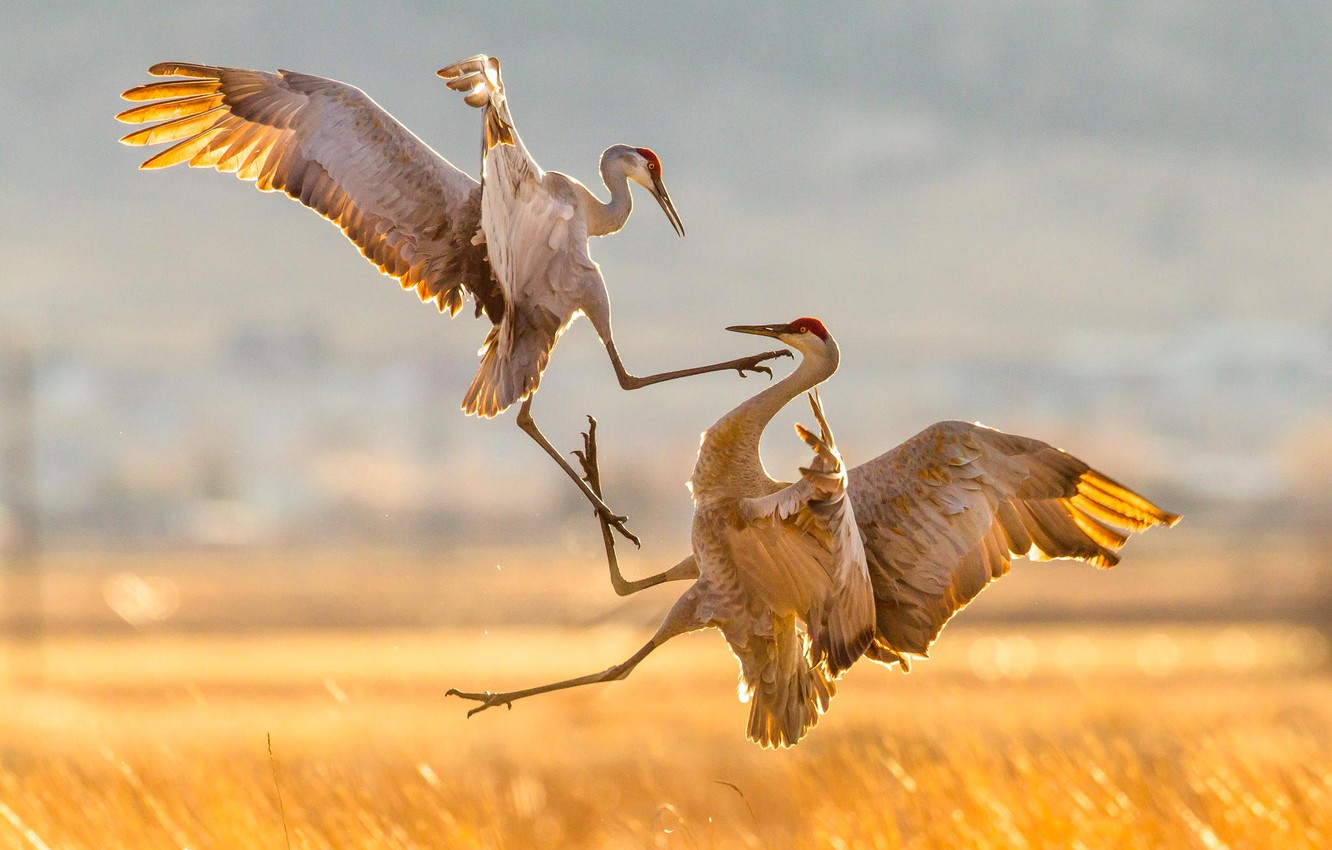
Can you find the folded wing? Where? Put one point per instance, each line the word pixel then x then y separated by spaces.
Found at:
pixel 944 514
pixel 808 536
pixel 329 146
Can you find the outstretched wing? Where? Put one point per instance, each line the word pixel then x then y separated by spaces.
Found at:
pixel 840 608
pixel 944 513
pixel 324 143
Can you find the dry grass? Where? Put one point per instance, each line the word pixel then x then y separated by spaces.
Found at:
pixel 160 742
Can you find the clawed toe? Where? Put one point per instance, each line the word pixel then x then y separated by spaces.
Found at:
pixel 614 519
pixel 487 700
pixel 751 364
pixel 618 525
pixel 587 457
pixel 617 522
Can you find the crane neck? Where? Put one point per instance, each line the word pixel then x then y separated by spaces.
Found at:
pixel 746 423
pixel 604 219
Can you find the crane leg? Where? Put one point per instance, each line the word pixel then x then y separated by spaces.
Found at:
pixel 681 619
pixel 490 699
pixel 686 569
pixel 741 364
pixel 529 427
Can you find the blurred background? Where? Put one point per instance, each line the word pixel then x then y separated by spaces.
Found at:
pixel 237 495
pixel 1100 224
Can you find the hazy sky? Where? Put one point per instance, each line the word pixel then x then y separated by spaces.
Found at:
pixel 1046 182
pixel 906 163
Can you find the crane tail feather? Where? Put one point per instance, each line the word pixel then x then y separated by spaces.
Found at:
pixel 786 695
pixel 513 358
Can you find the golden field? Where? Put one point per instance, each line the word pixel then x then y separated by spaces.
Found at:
pixel 368 753
pixel 1093 736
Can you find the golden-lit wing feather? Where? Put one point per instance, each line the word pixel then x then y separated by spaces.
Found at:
pixel 944 513
pixel 329 146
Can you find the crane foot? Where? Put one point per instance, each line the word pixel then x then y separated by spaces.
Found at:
pixel 617 523
pixel 487 699
pixel 751 364
pixel 587 458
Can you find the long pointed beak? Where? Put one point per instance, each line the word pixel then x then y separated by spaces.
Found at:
pixel 659 192
pixel 760 330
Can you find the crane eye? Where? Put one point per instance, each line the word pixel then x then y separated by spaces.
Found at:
pixel 802 328
pixel 652 166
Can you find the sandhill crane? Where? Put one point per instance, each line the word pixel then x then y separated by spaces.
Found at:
pixel 804 578
pixel 516 242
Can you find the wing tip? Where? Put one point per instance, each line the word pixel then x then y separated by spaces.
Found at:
pixel 1141 512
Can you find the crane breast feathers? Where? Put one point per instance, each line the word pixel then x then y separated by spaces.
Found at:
pixel 943 515
pixel 329 146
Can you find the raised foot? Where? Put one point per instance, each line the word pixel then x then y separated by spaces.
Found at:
pixel 751 364
pixel 487 699
pixel 587 458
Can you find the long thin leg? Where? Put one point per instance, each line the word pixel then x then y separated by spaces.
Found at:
pixel 682 618
pixel 506 698
pixel 741 365
pixel 529 427
pixel 686 569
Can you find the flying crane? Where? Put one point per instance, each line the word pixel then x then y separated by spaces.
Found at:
pixel 515 242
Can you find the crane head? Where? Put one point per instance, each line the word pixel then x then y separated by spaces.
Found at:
pixel 806 327
pixel 806 335
pixel 643 167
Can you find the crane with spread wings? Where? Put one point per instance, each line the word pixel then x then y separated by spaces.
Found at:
pixel 805 578
pixel 516 241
